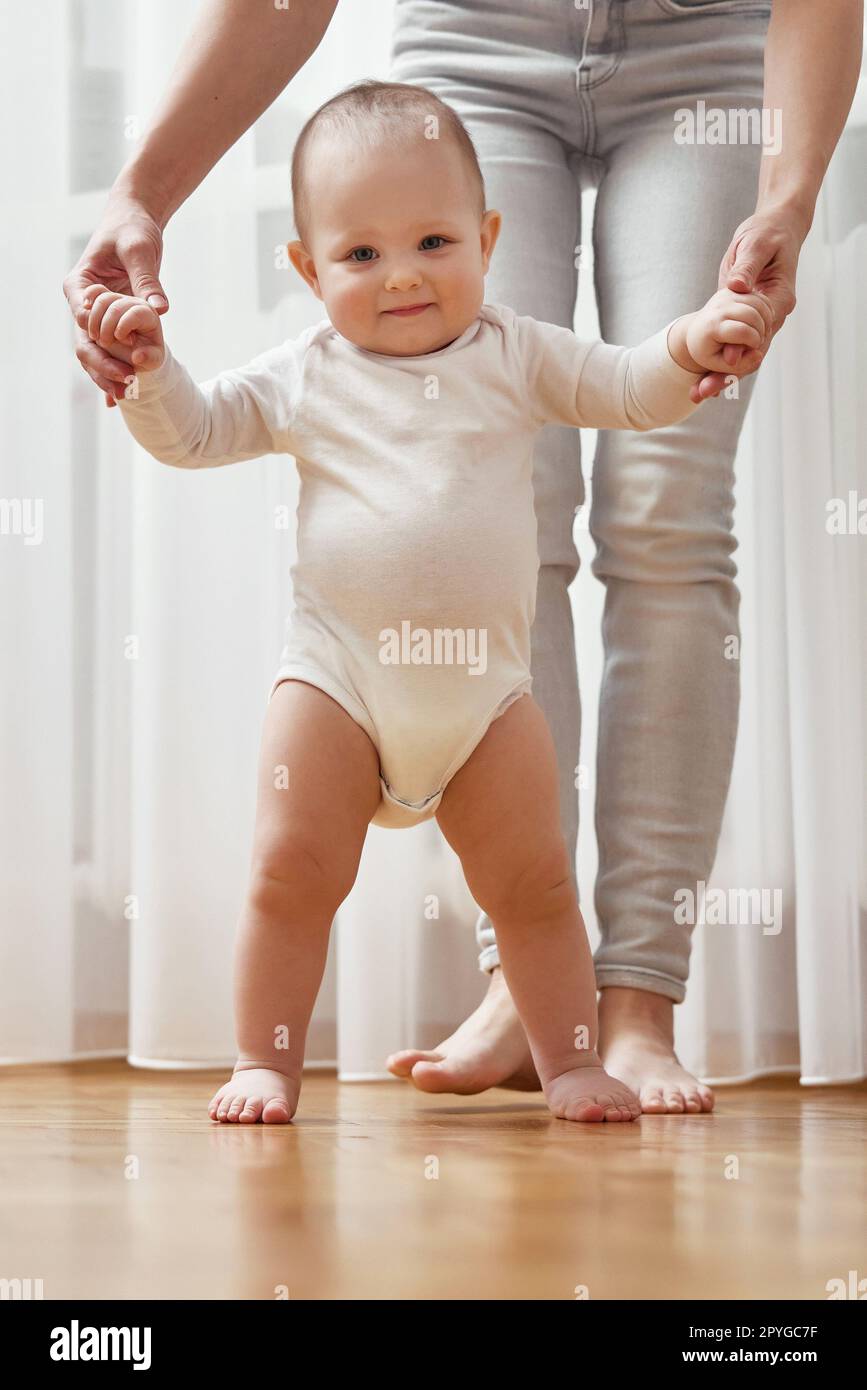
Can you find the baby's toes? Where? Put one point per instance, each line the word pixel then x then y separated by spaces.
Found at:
pixel 630 1105
pixel 236 1105
pixel 609 1105
pixel 223 1108
pixel 276 1111
pixel 214 1106
pixel 252 1111
pixel 628 1110
pixel 585 1109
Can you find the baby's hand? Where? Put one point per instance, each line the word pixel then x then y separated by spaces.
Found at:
pixel 127 327
pixel 742 320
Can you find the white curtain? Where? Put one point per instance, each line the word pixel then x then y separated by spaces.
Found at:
pixel 142 608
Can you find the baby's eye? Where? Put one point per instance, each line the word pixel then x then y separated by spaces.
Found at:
pixel 432 237
pixel 360 254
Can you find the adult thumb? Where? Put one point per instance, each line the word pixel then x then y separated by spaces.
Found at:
pixel 746 267
pixel 143 278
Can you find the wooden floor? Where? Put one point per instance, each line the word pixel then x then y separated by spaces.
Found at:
pixel 342 1204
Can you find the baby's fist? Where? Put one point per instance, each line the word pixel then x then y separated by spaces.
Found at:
pixel 741 322
pixel 125 326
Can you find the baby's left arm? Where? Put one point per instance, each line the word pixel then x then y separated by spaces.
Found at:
pixel 598 385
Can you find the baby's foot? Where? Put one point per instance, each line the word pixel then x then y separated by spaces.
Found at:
pixel 256 1094
pixel 589 1095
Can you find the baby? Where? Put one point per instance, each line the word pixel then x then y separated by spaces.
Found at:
pixel 404 687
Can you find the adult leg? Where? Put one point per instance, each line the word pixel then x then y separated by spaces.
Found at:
pixel 661 518
pixel 627 96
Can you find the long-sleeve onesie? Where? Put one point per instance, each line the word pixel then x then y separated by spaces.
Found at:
pixel 414 588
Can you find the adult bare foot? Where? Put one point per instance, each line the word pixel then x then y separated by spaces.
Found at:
pixel 636 1044
pixel 489 1049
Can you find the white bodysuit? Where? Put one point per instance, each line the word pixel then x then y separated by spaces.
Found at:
pixel 414 589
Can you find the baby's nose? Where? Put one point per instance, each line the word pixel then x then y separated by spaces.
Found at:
pixel 403 278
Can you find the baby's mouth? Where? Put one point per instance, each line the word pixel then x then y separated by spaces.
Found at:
pixel 409 310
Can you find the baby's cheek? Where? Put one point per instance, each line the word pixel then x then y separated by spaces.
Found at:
pixel 350 304
pixel 465 287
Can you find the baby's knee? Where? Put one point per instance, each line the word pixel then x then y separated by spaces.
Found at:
pixel 297 877
pixel 532 889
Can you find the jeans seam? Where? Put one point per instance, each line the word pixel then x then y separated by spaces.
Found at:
pixel 640 970
pixel 713 7
pixel 637 977
pixel 612 71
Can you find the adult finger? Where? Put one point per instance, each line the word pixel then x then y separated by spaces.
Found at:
pixel 140 252
pixel 753 254
pixel 783 301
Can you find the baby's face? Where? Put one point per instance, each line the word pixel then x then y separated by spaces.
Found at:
pixel 393 228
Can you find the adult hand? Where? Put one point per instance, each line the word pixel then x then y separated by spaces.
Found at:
pixel 124 255
pixel 762 256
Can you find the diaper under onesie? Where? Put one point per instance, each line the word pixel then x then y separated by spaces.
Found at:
pixel 414 588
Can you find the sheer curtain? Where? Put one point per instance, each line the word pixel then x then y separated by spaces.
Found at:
pixel 142 608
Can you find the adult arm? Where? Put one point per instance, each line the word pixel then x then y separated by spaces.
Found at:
pixel 238 57
pixel 813 57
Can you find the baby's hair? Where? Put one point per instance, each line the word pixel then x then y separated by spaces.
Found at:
pixel 370 111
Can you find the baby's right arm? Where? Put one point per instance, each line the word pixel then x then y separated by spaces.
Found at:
pixel 243 413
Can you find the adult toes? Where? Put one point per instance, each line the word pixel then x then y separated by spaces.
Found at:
pixel 404 1061
pixel 652 1100
pixel 432 1074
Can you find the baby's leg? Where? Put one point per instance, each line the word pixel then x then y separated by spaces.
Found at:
pixel 318 788
pixel 500 813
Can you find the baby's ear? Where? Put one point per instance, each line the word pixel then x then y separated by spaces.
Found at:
pixel 303 263
pixel 490 230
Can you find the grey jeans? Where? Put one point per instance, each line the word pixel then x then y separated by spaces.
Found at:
pixel 557 94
